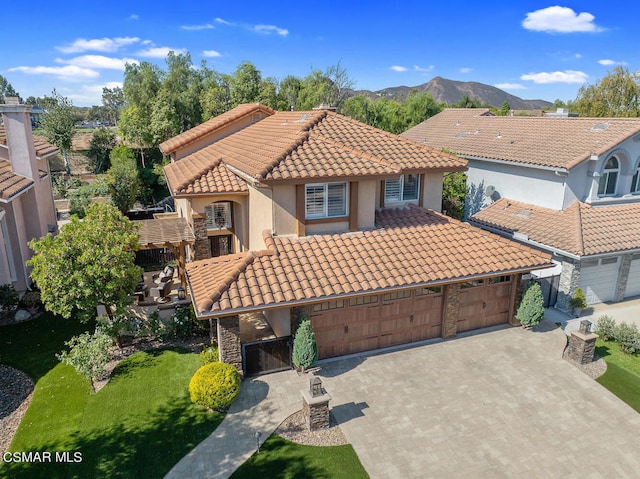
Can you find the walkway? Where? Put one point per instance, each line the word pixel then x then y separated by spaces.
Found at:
pixel 627 311
pixel 263 403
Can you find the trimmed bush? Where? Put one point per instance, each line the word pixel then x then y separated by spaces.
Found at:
pixel 215 386
pixel 531 309
pixel 209 355
pixel 578 300
pixel 628 338
pixel 305 349
pixel 606 328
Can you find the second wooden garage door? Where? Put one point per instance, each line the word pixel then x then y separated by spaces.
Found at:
pixel 484 303
pixel 372 322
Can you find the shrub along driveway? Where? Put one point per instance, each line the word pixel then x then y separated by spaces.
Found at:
pixel 499 404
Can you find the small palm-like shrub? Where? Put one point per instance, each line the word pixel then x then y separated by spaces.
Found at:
pixel 215 386
pixel 531 309
pixel 606 328
pixel 578 300
pixel 305 349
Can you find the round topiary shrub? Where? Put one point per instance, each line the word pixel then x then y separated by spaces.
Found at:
pixel 531 309
pixel 215 386
pixel 305 349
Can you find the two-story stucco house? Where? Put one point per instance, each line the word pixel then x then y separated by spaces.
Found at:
pixel 315 214
pixel 568 185
pixel 26 199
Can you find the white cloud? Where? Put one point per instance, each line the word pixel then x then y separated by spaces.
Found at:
pixel 561 20
pixel 211 53
pixel 606 62
pixel 87 95
pixel 466 70
pixel 422 69
pixel 160 52
pixel 133 16
pixel 268 29
pixel 98 44
pixel 98 62
pixel 567 76
pixel 67 73
pixel 206 26
pixel 398 68
pixel 578 55
pixel 510 86
pixel 224 22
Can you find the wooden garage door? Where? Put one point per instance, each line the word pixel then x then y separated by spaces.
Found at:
pixel 633 280
pixel 484 303
pixel 372 322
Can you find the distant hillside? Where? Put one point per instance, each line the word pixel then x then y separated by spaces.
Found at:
pixel 451 91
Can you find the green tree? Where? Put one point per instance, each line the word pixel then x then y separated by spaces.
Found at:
pixel 113 101
pixel 102 142
pixel 454 190
pixel 505 109
pixel 215 97
pixel 90 262
pixel 466 102
pixel 81 198
pixel 305 349
pixel 359 107
pixel 123 178
pixel 615 95
pixel 289 89
pixel 245 84
pixel 88 354
pixel 531 309
pixel 58 124
pixel 6 89
pixel 420 106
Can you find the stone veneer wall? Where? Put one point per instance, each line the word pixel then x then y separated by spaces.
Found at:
pixel 451 311
pixel 623 277
pixel 229 347
pixel 581 347
pixel 316 415
pixel 569 278
pixel 201 245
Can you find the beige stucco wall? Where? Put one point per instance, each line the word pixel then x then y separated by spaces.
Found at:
pixel 367 204
pixel 432 190
pixel 239 216
pixel 284 209
pixel 280 321
pixel 333 227
pixel 260 215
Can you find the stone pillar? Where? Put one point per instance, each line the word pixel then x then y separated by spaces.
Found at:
pixel 582 344
pixel 451 311
pixel 623 277
pixel 315 409
pixel 569 278
pixel 229 347
pixel 201 244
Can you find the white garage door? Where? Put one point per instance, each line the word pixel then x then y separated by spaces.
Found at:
pixel 633 283
pixel 598 279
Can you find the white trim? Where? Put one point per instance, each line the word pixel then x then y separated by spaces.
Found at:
pixel 325 200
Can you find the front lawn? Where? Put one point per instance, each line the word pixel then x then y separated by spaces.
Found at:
pixel 279 458
pixel 139 425
pixel 623 373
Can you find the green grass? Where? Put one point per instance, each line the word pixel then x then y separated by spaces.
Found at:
pixel 279 458
pixel 138 426
pixel 623 373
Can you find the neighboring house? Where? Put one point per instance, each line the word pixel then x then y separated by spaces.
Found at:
pixel 26 199
pixel 315 214
pixel 568 185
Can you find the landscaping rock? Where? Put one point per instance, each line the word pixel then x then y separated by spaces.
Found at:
pixel 22 315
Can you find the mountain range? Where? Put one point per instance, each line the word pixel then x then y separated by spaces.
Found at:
pixel 451 92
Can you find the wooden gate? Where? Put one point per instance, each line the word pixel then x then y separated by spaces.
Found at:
pixel 267 356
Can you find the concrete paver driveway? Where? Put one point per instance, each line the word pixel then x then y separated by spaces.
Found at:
pixel 499 404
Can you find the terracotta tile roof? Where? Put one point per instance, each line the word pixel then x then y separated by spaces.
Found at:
pixel 581 229
pixel 40 144
pixel 197 174
pixel 545 141
pixel 410 247
pixel 163 232
pixel 10 183
pixel 212 125
pixel 317 144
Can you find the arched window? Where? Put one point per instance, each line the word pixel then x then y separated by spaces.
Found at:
pixel 635 182
pixel 609 178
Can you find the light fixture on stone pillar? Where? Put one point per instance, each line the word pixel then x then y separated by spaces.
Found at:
pixel 315 387
pixel 181 293
pixel 585 326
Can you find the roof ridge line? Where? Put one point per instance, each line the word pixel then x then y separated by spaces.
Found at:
pixel 197 175
pixel 580 232
pixel 246 260
pixel 359 152
pixel 290 149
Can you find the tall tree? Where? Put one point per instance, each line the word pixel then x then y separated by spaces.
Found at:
pixel 113 101
pixel 245 84
pixel 289 89
pixel 615 95
pixel 123 178
pixel 215 97
pixel 102 142
pixel 58 123
pixel 419 106
pixel 90 262
pixel 6 89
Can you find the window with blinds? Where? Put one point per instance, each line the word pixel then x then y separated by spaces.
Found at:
pixel 218 215
pixel 405 188
pixel 325 200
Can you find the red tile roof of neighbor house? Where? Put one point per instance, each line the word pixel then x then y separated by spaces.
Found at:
pixel 545 141
pixel 580 229
pixel 412 246
pixel 304 145
pixel 214 124
pixel 41 146
pixel 12 184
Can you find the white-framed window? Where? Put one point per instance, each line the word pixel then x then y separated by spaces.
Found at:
pixel 405 188
pixel 609 177
pixel 325 200
pixel 218 216
pixel 635 182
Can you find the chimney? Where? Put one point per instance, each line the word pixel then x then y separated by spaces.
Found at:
pixel 17 125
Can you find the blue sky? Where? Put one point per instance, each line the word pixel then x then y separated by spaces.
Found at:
pixel 532 49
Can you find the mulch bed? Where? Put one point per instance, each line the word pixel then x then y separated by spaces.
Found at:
pixel 16 391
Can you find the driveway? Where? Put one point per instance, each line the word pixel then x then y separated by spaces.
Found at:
pixel 498 404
